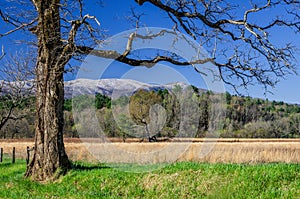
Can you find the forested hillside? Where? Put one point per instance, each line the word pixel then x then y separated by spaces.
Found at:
pixel 240 116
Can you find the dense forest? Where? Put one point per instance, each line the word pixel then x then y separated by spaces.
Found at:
pixel 159 113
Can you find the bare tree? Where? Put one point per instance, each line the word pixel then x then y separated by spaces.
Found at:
pixel 17 74
pixel 63 31
pixel 52 23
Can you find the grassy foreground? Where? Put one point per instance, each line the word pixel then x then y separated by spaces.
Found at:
pixel 179 180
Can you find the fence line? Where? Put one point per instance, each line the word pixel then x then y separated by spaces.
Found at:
pixel 13 154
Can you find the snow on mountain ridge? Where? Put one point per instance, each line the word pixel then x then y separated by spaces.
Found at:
pixel 110 87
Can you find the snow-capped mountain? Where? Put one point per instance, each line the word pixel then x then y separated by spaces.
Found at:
pixel 110 87
pixel 18 88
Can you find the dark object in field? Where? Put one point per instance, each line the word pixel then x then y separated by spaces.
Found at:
pixel 152 139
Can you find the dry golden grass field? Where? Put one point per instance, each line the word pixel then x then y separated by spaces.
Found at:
pixel 200 150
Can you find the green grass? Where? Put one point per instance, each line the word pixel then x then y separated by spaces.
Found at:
pixel 179 180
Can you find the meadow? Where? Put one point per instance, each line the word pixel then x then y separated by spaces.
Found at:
pixel 177 180
pixel 250 151
pixel 231 169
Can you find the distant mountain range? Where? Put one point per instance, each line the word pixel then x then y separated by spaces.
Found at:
pixel 112 87
pixel 109 87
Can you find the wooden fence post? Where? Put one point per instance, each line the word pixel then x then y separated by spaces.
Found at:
pixel 28 155
pixel 1 154
pixel 14 155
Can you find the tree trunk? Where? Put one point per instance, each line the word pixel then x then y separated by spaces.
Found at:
pixel 49 157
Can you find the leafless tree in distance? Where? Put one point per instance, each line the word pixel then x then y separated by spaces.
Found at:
pixel 17 84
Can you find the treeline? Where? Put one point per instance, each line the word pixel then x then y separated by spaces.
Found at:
pixel 166 113
pixel 237 117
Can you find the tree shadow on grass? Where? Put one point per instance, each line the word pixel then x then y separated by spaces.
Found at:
pixel 79 166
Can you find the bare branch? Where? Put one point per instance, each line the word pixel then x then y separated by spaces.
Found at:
pixel 17 24
pixel 125 56
pixel 2 53
pixel 249 54
pixel 19 28
pixel 137 62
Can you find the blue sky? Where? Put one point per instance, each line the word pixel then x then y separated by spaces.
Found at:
pixel 113 18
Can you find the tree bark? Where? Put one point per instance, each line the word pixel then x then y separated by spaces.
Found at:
pixel 49 151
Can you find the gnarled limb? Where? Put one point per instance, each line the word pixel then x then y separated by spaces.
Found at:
pixel 263 61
